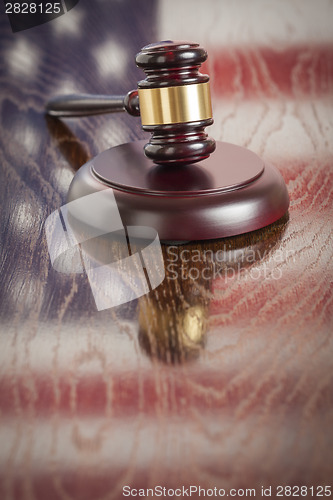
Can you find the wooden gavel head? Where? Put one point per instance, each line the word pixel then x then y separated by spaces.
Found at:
pixel 174 102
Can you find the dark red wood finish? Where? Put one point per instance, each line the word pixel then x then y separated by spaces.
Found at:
pixel 169 64
pixel 231 192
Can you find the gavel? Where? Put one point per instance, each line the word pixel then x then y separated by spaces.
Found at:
pixel 206 196
pixel 173 102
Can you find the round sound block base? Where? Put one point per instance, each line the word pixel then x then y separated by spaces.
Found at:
pixel 231 192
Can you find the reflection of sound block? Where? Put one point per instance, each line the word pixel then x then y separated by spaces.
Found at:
pixel 231 192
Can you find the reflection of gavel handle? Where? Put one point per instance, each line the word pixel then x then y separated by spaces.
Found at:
pixel 86 105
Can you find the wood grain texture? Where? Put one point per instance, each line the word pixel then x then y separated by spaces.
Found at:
pixel 223 375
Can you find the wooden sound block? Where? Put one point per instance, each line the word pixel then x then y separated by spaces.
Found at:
pixel 231 192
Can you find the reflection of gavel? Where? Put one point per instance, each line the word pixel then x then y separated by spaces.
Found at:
pixel 173 101
pixel 174 318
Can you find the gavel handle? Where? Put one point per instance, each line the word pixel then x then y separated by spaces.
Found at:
pixel 86 105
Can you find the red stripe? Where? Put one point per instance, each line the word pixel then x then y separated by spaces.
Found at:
pixel 297 72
